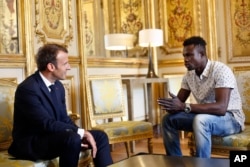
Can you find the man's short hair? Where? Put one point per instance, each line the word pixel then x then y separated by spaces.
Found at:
pixel 47 54
pixel 195 40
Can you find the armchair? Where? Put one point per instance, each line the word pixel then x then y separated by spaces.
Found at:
pixel 7 91
pixel 236 142
pixel 107 112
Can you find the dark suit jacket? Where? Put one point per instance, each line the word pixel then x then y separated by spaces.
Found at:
pixel 35 115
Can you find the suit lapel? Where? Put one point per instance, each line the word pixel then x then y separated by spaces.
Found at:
pixel 46 92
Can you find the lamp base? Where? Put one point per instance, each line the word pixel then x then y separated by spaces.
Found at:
pixel 151 74
pixel 151 70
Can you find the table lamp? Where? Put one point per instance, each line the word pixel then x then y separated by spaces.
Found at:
pixel 150 38
pixel 119 41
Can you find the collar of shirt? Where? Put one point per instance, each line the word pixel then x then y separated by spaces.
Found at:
pixel 46 81
pixel 205 72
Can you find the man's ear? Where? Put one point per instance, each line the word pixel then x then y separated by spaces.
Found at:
pixel 202 53
pixel 50 66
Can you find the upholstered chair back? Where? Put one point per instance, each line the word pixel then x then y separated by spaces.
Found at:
pixel 243 81
pixel 105 98
pixel 7 91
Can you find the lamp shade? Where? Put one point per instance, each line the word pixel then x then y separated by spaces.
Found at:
pixel 119 41
pixel 150 37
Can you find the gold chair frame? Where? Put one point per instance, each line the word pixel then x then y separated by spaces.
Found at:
pixel 111 86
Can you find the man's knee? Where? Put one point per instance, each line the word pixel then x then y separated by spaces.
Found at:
pixel 165 120
pixel 100 136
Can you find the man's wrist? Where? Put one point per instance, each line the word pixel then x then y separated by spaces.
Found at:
pixel 187 108
pixel 80 131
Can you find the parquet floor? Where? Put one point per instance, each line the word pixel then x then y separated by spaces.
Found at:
pixel 119 151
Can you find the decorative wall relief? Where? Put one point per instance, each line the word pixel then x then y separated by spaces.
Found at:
pixel 8 27
pixel 127 16
pixel 131 20
pixel 89 24
pixel 113 16
pixel 238 28
pixel 179 21
pixel 54 21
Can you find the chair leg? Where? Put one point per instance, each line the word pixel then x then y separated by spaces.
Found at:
pixel 112 147
pixel 127 145
pixel 150 145
pixel 132 146
pixel 192 151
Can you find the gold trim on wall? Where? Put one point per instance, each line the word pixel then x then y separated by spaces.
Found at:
pixel 241 68
pixel 238 39
pixel 14 80
pixel 118 62
pixel 54 21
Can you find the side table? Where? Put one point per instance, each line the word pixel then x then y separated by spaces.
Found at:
pixel 152 112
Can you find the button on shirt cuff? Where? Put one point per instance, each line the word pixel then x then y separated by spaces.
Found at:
pixel 80 132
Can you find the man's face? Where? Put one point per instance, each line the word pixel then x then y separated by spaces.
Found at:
pixel 60 71
pixel 192 58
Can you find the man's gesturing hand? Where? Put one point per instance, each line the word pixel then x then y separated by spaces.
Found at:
pixel 172 104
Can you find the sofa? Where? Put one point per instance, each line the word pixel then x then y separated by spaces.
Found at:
pixel 7 91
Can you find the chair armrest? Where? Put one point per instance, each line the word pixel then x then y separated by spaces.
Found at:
pixel 74 116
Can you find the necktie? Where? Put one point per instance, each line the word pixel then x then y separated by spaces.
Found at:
pixel 53 96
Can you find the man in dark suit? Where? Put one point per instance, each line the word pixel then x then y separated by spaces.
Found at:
pixel 42 129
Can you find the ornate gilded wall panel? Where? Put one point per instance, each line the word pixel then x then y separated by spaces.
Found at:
pixel 113 16
pixel 9 27
pixel 238 28
pixel 127 16
pixel 54 21
pixel 181 19
pixel 90 12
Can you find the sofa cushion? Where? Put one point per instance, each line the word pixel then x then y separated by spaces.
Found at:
pixel 125 128
pixel 236 140
pixel 7 160
pixel 6 115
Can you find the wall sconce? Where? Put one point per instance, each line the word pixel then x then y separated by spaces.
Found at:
pixel 119 42
pixel 150 38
